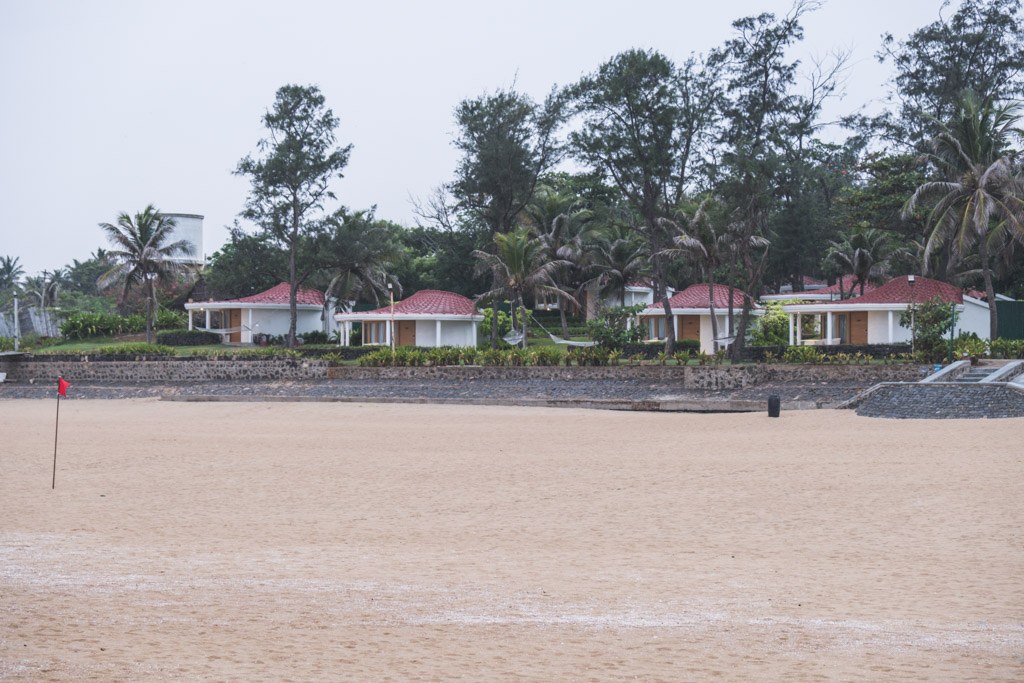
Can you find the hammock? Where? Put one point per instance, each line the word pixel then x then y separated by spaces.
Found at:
pixel 566 342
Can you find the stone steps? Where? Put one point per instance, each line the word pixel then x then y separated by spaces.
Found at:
pixel 941 400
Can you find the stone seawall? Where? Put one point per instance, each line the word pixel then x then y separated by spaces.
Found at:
pixel 43 369
pixel 690 377
pixel 709 378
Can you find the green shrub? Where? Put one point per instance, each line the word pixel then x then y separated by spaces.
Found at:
pixel 547 356
pixel 802 354
pixel 187 338
pixel 170 320
pixel 314 337
pixel 970 345
pixel 6 344
pixel 617 327
pixel 1007 348
pixel 588 355
pixel 377 359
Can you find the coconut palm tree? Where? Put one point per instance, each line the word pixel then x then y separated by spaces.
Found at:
pixel 562 224
pixel 11 272
pixel 618 257
pixel 359 255
pixel 979 192
pixel 865 253
pixel 142 254
pixel 519 265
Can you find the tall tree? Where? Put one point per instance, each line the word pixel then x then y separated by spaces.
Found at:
pixel 507 141
pixel 617 259
pixel 143 254
pixel 563 225
pixel 865 254
pixel 519 265
pixel 980 48
pixel 644 124
pixel 291 177
pixel 359 255
pixel 979 193
pixel 11 272
pixel 246 264
pixel 764 119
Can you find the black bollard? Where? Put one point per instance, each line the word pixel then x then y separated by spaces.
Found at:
pixel 774 404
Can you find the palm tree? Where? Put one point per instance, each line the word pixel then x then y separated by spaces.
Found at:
pixel 980 192
pixel 11 272
pixel 618 257
pixel 562 225
pixel 707 247
pixel 865 254
pixel 519 265
pixel 359 255
pixel 142 254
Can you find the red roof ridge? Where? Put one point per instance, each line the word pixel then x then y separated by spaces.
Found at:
pixel 279 294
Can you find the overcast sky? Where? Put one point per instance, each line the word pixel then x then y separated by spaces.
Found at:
pixel 111 105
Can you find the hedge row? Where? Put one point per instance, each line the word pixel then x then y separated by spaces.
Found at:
pixel 188 338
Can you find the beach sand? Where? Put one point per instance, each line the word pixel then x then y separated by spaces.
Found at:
pixel 316 541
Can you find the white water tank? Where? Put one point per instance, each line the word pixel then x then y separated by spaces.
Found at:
pixel 188 227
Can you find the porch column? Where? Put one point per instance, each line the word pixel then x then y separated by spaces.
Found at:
pixel 249 325
pixel 207 318
pixel 437 334
pixel 387 333
pixel 792 330
pixel 474 334
pixel 190 319
pixel 799 329
pixel 890 326
pixel 828 326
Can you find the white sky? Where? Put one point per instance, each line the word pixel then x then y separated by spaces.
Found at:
pixel 109 105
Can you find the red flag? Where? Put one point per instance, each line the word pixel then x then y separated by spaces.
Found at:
pixel 62 387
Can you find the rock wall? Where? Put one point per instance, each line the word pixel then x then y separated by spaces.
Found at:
pixel 942 401
pixel 191 369
pixel 46 369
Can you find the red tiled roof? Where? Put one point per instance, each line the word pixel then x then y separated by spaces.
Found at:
pixel 849 282
pixel 429 302
pixel 900 291
pixel 696 296
pixel 279 294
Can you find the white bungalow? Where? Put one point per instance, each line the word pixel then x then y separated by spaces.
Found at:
pixel 874 317
pixel 691 315
pixel 240 320
pixel 427 318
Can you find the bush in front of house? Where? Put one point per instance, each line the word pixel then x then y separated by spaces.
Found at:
pixel 79 325
pixel 1007 348
pixel 133 349
pixel 188 338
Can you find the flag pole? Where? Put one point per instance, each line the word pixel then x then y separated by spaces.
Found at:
pixel 62 388
pixel 56 427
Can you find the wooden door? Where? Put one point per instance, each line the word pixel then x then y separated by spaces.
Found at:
pixel 689 327
pixel 235 323
pixel 859 327
pixel 406 333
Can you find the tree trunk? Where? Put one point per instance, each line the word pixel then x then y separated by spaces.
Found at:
pixel 714 318
pixel 670 328
pixel 565 321
pixel 990 293
pixel 293 284
pixel 522 314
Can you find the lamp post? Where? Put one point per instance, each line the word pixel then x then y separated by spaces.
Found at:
pixel 17 326
pixel 913 311
pixel 150 276
pixel 391 293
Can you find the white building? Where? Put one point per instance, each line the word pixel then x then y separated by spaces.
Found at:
pixel 875 317
pixel 691 315
pixel 264 313
pixel 427 318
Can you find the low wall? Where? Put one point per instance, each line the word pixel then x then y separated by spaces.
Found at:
pixel 195 369
pixel 80 369
pixel 690 377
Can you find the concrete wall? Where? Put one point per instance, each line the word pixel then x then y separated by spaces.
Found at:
pixel 878 328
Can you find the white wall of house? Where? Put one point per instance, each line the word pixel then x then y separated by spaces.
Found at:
pixel 707 338
pixel 878 328
pixel 974 318
pixel 453 333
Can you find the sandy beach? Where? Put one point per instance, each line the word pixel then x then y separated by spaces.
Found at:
pixel 345 541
